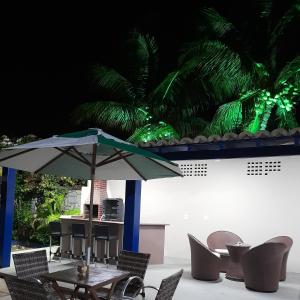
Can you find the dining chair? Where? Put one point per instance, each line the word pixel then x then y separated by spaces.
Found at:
pixel 166 290
pixel 136 264
pixel 31 265
pixel 20 289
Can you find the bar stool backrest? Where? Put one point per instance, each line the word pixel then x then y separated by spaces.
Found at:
pixel 78 230
pixel 31 264
pixel 55 228
pixel 101 231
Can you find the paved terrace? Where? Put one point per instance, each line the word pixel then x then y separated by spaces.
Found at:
pixel 190 288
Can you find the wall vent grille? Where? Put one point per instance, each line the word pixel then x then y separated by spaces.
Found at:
pixel 261 168
pixel 193 169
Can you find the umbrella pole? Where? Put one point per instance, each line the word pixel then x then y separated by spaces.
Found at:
pixel 89 240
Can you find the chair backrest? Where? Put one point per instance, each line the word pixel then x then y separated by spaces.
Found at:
pixel 135 263
pixel 25 290
pixel 168 286
pixel 205 265
pixel 262 266
pixel 286 240
pixel 31 264
pixel 101 231
pixel 54 228
pixel 78 230
pixel 198 246
pixel 219 239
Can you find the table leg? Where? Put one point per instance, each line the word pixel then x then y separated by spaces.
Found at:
pixel 58 290
pixel 111 290
pixel 94 294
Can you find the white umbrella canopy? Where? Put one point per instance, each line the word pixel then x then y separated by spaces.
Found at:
pixel 89 154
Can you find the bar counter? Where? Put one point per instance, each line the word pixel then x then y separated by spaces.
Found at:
pixel 152 237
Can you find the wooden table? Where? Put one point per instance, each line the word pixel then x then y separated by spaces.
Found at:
pixel 96 278
pixel 234 269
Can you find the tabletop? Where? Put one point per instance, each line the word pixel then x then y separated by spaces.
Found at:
pixel 96 277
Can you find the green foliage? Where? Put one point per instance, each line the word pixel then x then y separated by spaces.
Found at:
pixel 112 114
pixel 227 118
pixel 72 212
pixel 134 101
pixel 39 200
pixel 110 80
pixel 235 74
pixel 154 132
pixel 224 68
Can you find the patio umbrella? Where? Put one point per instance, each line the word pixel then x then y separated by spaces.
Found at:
pixel 89 154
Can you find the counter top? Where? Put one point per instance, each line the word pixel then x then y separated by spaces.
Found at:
pixel 79 218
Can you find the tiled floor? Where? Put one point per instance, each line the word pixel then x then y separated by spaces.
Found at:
pixel 190 288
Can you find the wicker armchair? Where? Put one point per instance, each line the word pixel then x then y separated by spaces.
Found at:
pixel 26 290
pixel 136 264
pixel 288 242
pixel 167 287
pixel 217 241
pixel 205 264
pixel 262 267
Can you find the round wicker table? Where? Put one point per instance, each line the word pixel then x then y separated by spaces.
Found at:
pixel 234 269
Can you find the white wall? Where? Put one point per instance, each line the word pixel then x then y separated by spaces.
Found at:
pixel 255 207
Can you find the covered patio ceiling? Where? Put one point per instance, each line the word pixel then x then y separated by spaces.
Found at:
pixel 279 142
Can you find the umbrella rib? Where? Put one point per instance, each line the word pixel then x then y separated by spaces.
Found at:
pixel 107 158
pixel 52 160
pixel 73 156
pixel 105 161
pixel 17 154
pixel 164 166
pixel 81 155
pixel 129 163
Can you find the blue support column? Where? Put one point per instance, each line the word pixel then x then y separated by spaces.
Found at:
pixel 6 214
pixel 132 215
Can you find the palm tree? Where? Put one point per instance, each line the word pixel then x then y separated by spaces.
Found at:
pixel 131 98
pixel 252 85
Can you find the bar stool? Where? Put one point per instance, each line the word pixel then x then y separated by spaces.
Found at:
pixel 78 232
pixel 55 232
pixel 101 233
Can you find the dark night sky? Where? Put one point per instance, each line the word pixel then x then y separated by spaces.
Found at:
pixel 46 53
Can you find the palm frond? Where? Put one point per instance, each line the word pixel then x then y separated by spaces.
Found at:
pixel 168 90
pixel 190 127
pixel 290 17
pixel 292 13
pixel 227 118
pixel 110 114
pixel 219 68
pixel 290 74
pixel 153 132
pixel 286 119
pixel 117 86
pixel 261 71
pixel 217 24
pixel 141 61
